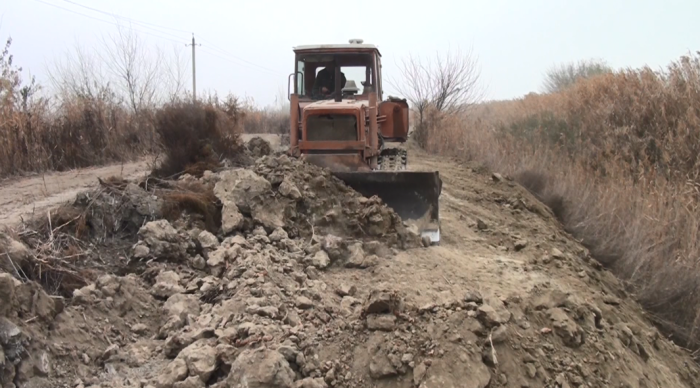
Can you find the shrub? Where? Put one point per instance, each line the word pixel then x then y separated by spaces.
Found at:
pixel 559 78
pixel 197 136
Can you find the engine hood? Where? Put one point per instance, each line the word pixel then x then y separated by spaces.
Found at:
pixel 332 104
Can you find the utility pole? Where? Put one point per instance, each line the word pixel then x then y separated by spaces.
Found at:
pixel 194 72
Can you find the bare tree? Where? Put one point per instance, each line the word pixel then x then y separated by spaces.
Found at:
pixel 124 69
pixel 176 74
pixel 136 70
pixel 415 84
pixel 80 75
pixel 450 83
pixel 10 76
pixel 558 78
pixel 14 91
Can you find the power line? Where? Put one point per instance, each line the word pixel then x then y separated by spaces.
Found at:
pixel 126 18
pixel 238 58
pixel 238 63
pixel 146 25
pixel 105 21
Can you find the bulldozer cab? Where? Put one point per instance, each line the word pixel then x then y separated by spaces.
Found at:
pixel 328 72
pixel 351 76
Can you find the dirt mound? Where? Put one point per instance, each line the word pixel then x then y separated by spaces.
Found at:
pixel 280 276
pixel 204 288
pixel 258 147
pixel 314 201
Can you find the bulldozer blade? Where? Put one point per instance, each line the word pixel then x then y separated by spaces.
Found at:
pixel 413 195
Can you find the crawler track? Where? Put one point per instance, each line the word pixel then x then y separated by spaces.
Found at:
pixel 392 159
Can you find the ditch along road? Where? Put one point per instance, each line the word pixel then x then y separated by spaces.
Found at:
pixel 507 298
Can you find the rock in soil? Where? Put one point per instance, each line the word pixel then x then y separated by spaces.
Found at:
pixel 207 240
pixel 200 358
pixel 260 368
pixel 259 147
pixel 345 289
pixel 174 372
pixel 492 317
pixel 473 296
pixel 571 334
pixel 385 322
pixel 167 285
pixel 163 241
pixel 381 301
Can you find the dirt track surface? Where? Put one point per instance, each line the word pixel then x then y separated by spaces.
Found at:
pixel 24 197
pixel 507 300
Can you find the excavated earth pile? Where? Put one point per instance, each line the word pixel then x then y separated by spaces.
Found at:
pixel 279 276
pixel 157 290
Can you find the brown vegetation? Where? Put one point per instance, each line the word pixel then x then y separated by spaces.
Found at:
pixel 38 134
pixel 196 200
pixel 617 157
pixel 197 136
pixel 115 109
pixel 266 121
pixel 271 119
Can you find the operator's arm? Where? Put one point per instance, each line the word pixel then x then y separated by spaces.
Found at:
pixel 321 81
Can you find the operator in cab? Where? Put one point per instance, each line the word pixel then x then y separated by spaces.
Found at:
pixel 324 86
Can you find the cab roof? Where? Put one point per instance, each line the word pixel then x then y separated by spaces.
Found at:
pixel 354 45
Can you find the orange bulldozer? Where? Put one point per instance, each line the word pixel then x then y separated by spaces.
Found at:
pixel 350 131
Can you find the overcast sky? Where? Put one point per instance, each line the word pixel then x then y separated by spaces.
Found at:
pixel 515 40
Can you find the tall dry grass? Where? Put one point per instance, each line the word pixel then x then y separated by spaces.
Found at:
pixel 260 120
pixel 617 157
pixel 77 133
pixel 273 119
pixel 64 131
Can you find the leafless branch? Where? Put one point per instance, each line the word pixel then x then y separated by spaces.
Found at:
pixel 79 75
pixel 449 83
pixel 137 72
pixel 176 74
pixel 558 78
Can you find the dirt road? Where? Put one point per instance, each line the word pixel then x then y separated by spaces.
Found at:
pixel 24 197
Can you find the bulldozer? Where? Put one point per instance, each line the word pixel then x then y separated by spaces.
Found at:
pixel 357 134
